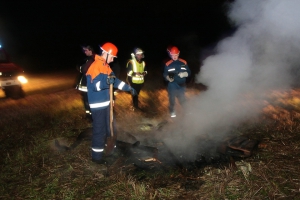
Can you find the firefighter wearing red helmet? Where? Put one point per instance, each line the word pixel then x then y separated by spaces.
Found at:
pixel 175 73
pixel 99 77
pixel 136 72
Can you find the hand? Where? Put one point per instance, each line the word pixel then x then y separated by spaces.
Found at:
pixel 144 73
pixel 183 74
pixel 110 80
pixel 170 79
pixel 133 92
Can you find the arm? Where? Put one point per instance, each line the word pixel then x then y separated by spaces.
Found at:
pixel 145 70
pixel 185 72
pixel 98 83
pixel 129 69
pixel 165 73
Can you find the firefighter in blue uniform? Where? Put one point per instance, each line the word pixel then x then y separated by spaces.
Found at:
pixel 136 72
pixel 99 77
pixel 175 73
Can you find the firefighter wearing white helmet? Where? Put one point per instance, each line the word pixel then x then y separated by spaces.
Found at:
pixel 175 73
pixel 136 72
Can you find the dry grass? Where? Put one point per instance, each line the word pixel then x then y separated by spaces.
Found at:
pixel 32 168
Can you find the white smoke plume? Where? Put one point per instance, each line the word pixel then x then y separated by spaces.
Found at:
pixel 263 54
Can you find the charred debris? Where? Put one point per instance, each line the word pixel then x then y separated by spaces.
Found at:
pixel 160 155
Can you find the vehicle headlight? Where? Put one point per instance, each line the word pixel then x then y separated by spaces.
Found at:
pixel 22 79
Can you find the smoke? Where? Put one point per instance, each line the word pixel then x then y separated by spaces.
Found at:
pixel 263 54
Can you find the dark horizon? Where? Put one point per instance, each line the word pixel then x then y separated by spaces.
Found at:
pixel 48 36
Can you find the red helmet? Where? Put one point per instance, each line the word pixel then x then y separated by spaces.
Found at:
pixel 174 51
pixel 110 49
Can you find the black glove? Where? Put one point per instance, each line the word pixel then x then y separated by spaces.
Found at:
pixel 133 92
pixel 110 80
pixel 170 79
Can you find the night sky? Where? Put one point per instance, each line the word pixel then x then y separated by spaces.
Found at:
pixel 48 35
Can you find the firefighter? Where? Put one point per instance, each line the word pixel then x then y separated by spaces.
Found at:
pixel 99 77
pixel 82 86
pixel 175 73
pixel 136 72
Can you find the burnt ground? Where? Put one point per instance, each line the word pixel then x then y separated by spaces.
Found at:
pixel 269 172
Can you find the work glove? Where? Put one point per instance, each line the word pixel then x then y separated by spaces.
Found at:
pixel 133 91
pixel 170 79
pixel 183 74
pixel 110 80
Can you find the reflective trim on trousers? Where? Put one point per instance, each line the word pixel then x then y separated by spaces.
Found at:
pixel 99 105
pixel 97 150
pixel 101 129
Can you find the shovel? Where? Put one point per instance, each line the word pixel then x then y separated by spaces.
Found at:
pixel 110 141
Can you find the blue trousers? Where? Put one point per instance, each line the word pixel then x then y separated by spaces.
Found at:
pixel 101 130
pixel 175 91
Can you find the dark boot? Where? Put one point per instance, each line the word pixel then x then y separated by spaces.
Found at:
pixel 135 100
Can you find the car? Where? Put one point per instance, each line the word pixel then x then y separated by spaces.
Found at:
pixel 11 77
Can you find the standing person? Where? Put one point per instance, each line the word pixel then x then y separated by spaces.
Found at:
pixel 116 68
pixel 175 73
pixel 136 72
pixel 82 85
pixel 99 77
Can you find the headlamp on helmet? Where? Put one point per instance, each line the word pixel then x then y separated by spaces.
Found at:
pixel 138 51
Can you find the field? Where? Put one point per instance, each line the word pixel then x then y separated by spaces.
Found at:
pixel 33 168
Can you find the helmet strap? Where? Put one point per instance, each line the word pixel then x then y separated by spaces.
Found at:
pixel 106 58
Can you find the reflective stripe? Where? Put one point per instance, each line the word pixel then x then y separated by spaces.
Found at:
pixel 130 73
pixel 98 85
pixel 183 68
pixel 170 70
pixel 97 150
pixel 135 78
pixel 137 67
pixel 83 89
pixel 99 105
pixel 121 85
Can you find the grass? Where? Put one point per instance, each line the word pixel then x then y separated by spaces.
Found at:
pixel 32 168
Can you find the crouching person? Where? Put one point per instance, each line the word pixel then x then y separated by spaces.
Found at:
pixel 99 77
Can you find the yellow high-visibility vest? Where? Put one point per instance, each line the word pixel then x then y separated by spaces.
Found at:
pixel 136 67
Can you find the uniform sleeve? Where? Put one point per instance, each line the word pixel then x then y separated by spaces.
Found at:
pixel 129 68
pixel 145 69
pixel 121 85
pixel 188 70
pixel 99 82
pixel 165 74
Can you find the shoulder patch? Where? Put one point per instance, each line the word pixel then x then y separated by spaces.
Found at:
pixel 182 61
pixel 98 67
pixel 169 62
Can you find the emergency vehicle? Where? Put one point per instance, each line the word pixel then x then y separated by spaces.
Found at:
pixel 11 77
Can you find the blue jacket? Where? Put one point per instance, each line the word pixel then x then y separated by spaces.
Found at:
pixel 175 67
pixel 98 88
